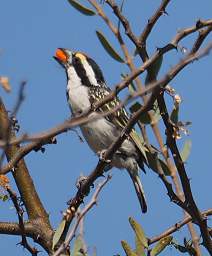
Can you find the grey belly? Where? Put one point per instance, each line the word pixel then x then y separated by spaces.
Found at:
pixel 100 134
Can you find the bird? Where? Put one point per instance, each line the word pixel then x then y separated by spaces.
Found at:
pixel 86 86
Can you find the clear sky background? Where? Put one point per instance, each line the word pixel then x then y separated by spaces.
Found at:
pixel 30 33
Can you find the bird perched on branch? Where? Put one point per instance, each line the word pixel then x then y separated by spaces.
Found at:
pixel 85 86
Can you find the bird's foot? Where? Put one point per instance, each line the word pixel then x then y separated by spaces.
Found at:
pixel 101 155
pixel 80 181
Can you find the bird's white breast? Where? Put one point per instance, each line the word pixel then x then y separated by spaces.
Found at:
pixel 77 93
pixel 100 133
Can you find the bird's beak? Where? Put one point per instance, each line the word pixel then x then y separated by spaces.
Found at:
pixel 61 56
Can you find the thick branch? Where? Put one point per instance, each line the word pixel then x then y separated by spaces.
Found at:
pixel 31 230
pixel 21 175
pixel 189 200
pixel 13 228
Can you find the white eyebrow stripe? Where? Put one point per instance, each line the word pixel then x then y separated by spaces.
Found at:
pixel 89 72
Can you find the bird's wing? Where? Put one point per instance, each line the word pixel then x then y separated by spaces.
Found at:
pixel 119 118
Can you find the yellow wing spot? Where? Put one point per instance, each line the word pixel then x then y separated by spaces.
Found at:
pixel 81 56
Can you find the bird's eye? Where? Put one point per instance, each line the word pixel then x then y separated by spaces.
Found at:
pixel 76 60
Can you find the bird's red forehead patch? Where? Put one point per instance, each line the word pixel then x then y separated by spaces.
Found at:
pixel 61 55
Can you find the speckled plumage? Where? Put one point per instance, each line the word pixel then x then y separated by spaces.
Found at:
pixel 85 86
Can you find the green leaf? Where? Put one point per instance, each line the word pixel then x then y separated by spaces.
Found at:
pixel 164 167
pixel 139 247
pixel 139 232
pixel 139 142
pixel 108 47
pixel 161 245
pixel 131 86
pixel 144 118
pixel 186 150
pixel 127 249
pixel 58 233
pixel 153 70
pixel 152 161
pixel 180 248
pixel 4 198
pixel 81 8
pixel 78 245
pixel 175 114
pixel 156 115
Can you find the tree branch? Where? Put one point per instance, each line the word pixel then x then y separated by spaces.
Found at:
pixel 21 175
pixel 35 210
pixel 151 23
pixel 31 230
pixel 189 200
pixel 23 151
pixel 20 212
pixel 176 227
pixel 92 202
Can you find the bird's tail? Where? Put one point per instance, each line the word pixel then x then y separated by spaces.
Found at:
pixel 139 190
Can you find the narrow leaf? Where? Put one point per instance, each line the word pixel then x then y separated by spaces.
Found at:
pixel 186 150
pixel 127 249
pixel 180 248
pixel 174 114
pixel 58 233
pixel 78 245
pixel 108 47
pixel 139 247
pixel 81 8
pixel 139 232
pixel 139 142
pixel 156 118
pixel 144 118
pixel 165 167
pixel 161 245
pixel 152 161
pixel 131 86
pixel 153 70
pixel 5 198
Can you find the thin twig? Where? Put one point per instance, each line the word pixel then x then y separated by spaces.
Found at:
pixel 23 151
pixel 72 232
pixel 203 33
pixel 177 226
pixel 187 31
pixel 14 112
pixel 20 212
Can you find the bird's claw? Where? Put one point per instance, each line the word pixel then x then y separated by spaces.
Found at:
pixel 80 181
pixel 102 156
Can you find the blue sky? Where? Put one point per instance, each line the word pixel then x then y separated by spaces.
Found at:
pixel 30 33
